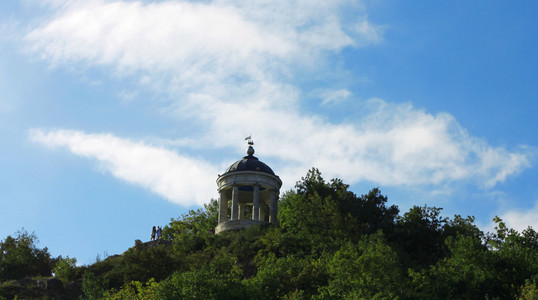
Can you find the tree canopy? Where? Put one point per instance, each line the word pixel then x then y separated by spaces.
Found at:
pixel 20 257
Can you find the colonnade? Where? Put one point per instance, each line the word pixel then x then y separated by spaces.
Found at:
pixel 237 207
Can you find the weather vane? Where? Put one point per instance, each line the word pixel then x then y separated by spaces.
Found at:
pixel 249 139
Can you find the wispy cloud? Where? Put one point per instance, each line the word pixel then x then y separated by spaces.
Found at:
pixel 164 172
pixel 334 96
pixel 391 145
pixel 229 65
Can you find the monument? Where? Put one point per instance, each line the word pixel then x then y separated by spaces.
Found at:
pixel 248 193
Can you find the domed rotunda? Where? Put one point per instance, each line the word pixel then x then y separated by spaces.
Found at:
pixel 248 194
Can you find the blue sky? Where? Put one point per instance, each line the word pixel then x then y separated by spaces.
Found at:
pixel 118 115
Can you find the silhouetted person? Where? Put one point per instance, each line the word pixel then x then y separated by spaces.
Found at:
pixel 153 232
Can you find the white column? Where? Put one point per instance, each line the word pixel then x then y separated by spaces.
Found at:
pixel 242 207
pixel 256 204
pixel 273 208
pixel 235 202
pixel 223 207
pixel 262 211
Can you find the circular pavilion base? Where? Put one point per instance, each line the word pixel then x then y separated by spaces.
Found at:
pixel 237 225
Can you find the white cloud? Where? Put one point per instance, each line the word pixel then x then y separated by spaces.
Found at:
pixel 229 65
pixel 231 51
pixel 178 178
pixel 369 33
pixel 334 96
pixel 521 219
pixel 199 43
pixel 393 145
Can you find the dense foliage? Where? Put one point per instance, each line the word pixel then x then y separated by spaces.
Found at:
pixel 330 244
pixel 20 257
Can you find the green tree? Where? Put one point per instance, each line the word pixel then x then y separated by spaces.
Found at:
pixel 529 291
pixel 467 273
pixel 194 230
pixel 204 283
pixel 419 235
pixel 93 287
pixel 289 277
pixel 198 222
pixel 244 246
pixel 329 212
pixel 516 256
pixel 20 257
pixel 367 270
pixel 141 264
pixel 311 214
pixel 462 226
pixel 65 268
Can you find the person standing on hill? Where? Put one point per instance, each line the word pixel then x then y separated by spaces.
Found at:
pixel 153 231
pixel 159 232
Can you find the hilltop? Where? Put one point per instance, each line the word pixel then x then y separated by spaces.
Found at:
pixel 330 244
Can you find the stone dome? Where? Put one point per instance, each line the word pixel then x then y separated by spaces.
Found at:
pixel 250 163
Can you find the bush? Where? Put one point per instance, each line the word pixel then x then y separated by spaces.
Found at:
pixel 93 287
pixel 134 290
pixel 205 283
pixel 65 269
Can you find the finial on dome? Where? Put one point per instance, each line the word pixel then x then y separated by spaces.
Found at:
pixel 250 150
pixel 249 139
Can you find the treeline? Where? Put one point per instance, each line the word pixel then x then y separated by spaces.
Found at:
pixel 330 244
